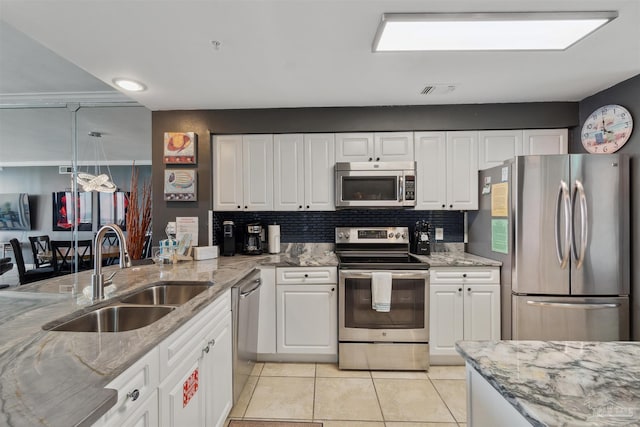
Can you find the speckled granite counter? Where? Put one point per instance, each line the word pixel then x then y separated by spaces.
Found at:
pixel 58 378
pixel 563 383
pixel 457 259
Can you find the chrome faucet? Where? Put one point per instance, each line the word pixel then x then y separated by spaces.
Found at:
pixel 97 278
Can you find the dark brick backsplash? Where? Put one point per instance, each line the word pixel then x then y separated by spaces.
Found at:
pixel 318 227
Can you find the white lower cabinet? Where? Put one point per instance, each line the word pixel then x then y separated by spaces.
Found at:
pixel 464 305
pixel 307 312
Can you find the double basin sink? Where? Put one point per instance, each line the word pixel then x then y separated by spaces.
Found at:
pixel 133 311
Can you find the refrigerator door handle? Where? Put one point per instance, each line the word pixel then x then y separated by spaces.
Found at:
pixel 564 198
pixel 584 222
pixel 580 305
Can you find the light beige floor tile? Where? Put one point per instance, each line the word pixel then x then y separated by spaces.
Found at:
pixel 341 423
pixel 282 397
pixel 409 424
pixel 240 407
pixel 411 400
pixel 289 370
pixel 331 370
pixel 257 369
pixel 454 394
pixel 447 373
pixel 346 399
pixel 407 375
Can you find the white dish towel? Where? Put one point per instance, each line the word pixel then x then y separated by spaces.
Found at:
pixel 381 291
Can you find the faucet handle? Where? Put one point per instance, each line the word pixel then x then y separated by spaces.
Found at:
pixel 108 280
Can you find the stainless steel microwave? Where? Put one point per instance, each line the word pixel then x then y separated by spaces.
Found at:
pixel 375 184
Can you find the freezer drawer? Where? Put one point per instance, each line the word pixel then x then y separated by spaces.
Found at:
pixel 570 318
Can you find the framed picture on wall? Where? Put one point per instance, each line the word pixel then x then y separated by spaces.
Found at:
pixel 180 148
pixel 112 208
pixel 180 185
pixel 64 213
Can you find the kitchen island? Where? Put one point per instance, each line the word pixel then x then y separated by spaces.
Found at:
pixel 59 378
pixel 555 383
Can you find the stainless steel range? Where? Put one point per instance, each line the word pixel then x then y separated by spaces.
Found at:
pixel 387 329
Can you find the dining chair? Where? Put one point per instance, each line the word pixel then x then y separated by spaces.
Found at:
pixel 64 255
pixel 40 245
pixel 5 265
pixel 28 276
pixel 85 254
pixel 110 245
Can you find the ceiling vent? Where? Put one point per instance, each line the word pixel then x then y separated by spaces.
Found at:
pixel 437 89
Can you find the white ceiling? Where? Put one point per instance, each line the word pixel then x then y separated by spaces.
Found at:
pixel 303 53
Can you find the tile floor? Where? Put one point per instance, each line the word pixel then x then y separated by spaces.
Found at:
pixel 322 392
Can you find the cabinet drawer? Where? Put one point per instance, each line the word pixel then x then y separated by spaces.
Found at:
pixel 174 348
pixel 306 275
pixel 143 377
pixel 465 275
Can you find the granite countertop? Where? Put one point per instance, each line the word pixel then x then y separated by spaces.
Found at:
pixel 457 259
pixel 58 378
pixel 563 383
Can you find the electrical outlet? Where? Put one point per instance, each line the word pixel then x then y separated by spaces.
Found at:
pixel 439 233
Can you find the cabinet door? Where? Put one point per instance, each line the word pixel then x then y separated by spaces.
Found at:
pixel 257 163
pixel 393 146
pixel 445 319
pixel 288 172
pixel 217 373
pixel 462 170
pixel 307 319
pixel 354 147
pixel 481 312
pixel 545 141
pixel 227 173
pixel 182 394
pixel 319 160
pixel 496 146
pixel 431 157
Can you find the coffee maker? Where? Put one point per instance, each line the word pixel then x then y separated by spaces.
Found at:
pixel 253 239
pixel 228 238
pixel 422 238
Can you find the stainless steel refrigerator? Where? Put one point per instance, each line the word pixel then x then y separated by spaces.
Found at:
pixel 560 226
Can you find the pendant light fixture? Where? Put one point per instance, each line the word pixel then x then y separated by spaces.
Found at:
pixel 97 181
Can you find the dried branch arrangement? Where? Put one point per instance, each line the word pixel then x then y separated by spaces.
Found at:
pixel 138 215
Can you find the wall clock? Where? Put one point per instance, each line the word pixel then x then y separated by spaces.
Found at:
pixel 607 129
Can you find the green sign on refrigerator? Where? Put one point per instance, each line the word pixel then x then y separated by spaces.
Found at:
pixel 500 235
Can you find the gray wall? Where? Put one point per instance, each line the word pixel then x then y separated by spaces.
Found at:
pixel 344 119
pixel 626 94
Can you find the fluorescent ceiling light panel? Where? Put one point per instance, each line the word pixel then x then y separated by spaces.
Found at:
pixel 485 31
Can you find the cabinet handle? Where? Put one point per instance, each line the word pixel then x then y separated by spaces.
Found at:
pixel 307 206
pixel 300 207
pixel 459 289
pixel 370 159
pixel 206 349
pixel 450 206
pixel 442 206
pixel 238 206
pixel 212 343
pixel 245 207
pixel 377 159
pixel 468 289
pixel 306 275
pixel 464 274
pixel 133 395
pixel 333 289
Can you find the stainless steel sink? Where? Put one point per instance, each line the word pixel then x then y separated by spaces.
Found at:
pixel 165 294
pixel 115 318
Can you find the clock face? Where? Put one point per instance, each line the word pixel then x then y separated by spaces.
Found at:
pixel 607 129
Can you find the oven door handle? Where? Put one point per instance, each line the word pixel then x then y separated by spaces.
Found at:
pixel 394 274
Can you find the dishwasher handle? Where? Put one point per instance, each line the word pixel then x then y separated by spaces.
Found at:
pixel 257 282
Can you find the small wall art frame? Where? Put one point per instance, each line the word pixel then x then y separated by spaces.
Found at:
pixel 180 185
pixel 180 148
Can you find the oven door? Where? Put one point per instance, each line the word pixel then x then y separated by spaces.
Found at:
pixel 371 188
pixel 408 319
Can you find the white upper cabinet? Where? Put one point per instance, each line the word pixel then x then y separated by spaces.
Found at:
pixel 545 141
pixel 447 170
pixel 243 172
pixel 288 172
pixel 227 173
pixel 496 146
pixel 303 172
pixel 319 161
pixel 370 147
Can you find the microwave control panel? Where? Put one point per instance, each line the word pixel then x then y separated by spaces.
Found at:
pixel 409 187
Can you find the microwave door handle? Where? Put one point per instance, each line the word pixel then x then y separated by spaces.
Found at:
pixel 401 188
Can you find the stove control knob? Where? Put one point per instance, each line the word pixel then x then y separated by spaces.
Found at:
pixel 346 235
pixel 391 235
pixel 340 235
pixel 404 235
pixel 398 235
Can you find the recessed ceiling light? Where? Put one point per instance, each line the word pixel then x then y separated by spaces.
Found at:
pixel 486 31
pixel 130 85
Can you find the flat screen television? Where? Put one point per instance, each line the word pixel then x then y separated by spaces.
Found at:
pixel 64 215
pixel 112 208
pixel 14 211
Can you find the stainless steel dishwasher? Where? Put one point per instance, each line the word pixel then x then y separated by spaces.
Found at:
pixel 245 301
